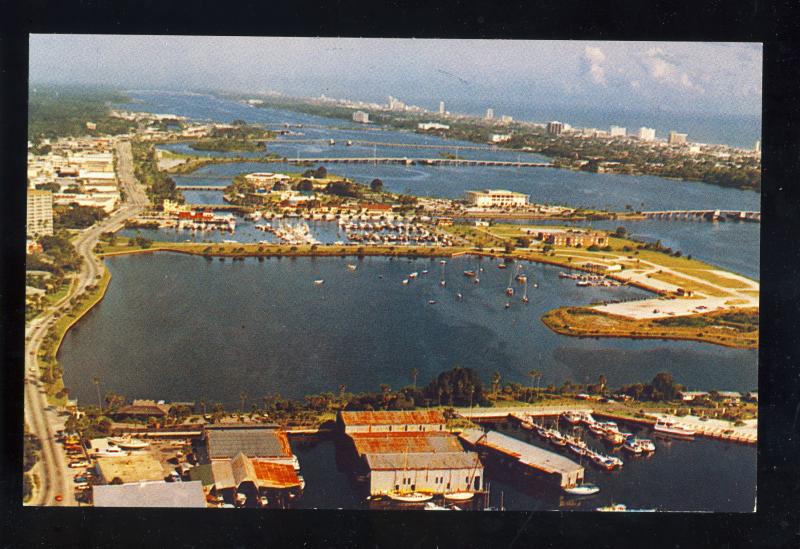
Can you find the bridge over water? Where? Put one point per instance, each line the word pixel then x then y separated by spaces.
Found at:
pixel 710 215
pixel 200 187
pixel 417 161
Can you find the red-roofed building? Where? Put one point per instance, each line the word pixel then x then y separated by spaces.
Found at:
pixel 392 421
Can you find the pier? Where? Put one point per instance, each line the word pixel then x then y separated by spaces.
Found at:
pixel 710 215
pixel 532 459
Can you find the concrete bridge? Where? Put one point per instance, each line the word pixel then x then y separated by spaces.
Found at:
pixel 711 215
pixel 200 187
pixel 417 161
pixel 359 142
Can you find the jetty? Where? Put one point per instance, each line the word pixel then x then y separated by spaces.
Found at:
pixel 531 459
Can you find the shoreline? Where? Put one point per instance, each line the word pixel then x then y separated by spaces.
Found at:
pixel 554 319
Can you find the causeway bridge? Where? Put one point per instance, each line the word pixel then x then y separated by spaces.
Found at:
pixel 199 187
pixel 709 215
pixel 359 142
pixel 417 161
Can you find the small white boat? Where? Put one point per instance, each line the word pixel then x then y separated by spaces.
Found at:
pixel 424 271
pixel 410 497
pixel 672 428
pixel 582 490
pixel 319 282
pixel 405 281
pixel 431 302
pixel 351 267
pixel 413 275
pixel 459 496
pixel 131 444
pixel 430 506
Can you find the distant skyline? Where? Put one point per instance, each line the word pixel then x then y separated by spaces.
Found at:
pixel 679 77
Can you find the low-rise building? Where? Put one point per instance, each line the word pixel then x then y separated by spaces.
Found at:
pixel 126 469
pixel 142 409
pixel 391 421
pixel 361 117
pixel 691 396
pixel 255 479
pixel 500 137
pixel 425 126
pixel 569 237
pixel 496 198
pixel 150 494
pixel 224 442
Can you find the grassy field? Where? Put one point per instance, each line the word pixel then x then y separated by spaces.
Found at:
pixel 733 328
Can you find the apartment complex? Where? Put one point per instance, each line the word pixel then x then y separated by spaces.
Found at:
pixel 40 213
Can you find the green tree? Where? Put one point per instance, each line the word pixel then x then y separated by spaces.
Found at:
pixel 376 185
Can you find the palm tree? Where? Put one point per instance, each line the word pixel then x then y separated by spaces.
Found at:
pixel 242 399
pixel 536 376
pixel 203 407
pixel 495 383
pixel 96 381
pixel 602 382
pixel 414 373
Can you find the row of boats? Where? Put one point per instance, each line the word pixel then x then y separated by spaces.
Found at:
pixel 290 234
pixel 589 280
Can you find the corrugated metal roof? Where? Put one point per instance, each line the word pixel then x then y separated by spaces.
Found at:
pixel 390 443
pixel 263 473
pixel 150 494
pixel 423 461
pixel 254 443
pixel 421 417
pixel 527 454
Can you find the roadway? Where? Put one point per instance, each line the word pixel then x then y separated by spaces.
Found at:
pixel 55 478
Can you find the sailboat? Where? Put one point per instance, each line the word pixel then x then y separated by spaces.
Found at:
pixel 409 496
pixel 509 289
pixel 442 282
pixel 525 292
pixel 478 272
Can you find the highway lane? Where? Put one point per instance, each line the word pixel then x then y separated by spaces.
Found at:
pixel 56 475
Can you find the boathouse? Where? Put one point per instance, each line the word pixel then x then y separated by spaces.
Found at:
pixel 224 442
pixel 530 459
pixel 255 479
pixel 392 421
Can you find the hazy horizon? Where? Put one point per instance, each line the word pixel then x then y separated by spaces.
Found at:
pixel 668 77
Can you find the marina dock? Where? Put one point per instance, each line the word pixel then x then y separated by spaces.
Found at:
pixel 532 458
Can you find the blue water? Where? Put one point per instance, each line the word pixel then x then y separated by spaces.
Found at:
pixel 185 327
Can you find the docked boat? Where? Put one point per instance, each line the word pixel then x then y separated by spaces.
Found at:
pixel 583 490
pixel 319 282
pixel 646 445
pixel 558 439
pixel 577 450
pixel 576 417
pixel 430 506
pixel 130 444
pixel 409 497
pixel 632 446
pixel 459 496
pixel 671 428
pixel 614 507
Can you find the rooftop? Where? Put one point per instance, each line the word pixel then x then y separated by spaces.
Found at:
pixel 150 494
pixel 426 417
pixel 424 460
pixel 527 454
pixel 264 474
pixel 132 468
pixel 255 442
pixel 390 443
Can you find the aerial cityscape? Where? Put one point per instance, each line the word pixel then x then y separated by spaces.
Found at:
pixel 520 278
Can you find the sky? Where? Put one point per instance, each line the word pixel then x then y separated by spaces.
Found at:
pixel 699 77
